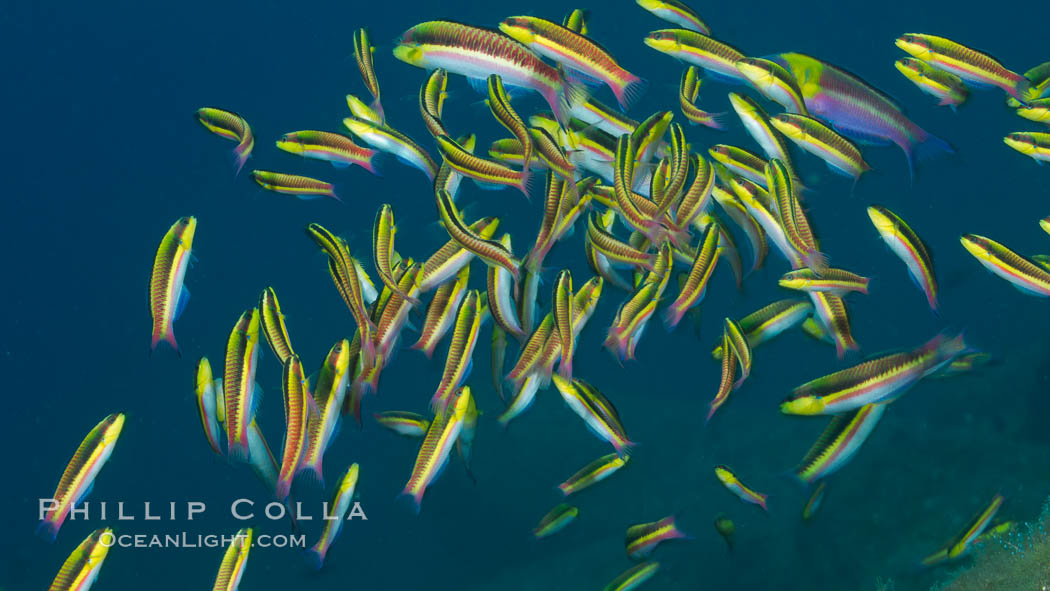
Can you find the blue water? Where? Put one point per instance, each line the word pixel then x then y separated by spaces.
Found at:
pixel 102 154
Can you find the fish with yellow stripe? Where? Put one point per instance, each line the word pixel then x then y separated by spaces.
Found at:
pixel 333 524
pixel 207 392
pixel 947 87
pixel 490 251
pixel 383 254
pixel 363 54
pixel 908 247
pixel 240 394
pixel 359 109
pixel 329 391
pixel 840 441
pixel 477 53
pixel 79 476
pixel 459 360
pixel 80 570
pixel 728 379
pixel 775 82
pixel 735 486
pixel 694 285
pixel 408 424
pixel 563 321
pixel 271 320
pixel 234 562
pixel 968 64
pixel 676 12
pixel 555 521
pixel 432 95
pixel 769 321
pixel 168 295
pixel 500 287
pixel 596 410
pixel 387 139
pixel 336 148
pixel 298 405
pixel 881 379
pixel 1033 144
pixel 593 473
pixel 633 577
pixel 350 280
pixel 452 257
pixel 811 135
pixel 503 111
pixel 433 454
pixel 441 312
pixel 581 56
pixel 834 281
pixel 700 50
pixel 1023 274
pixel 300 186
pixel 485 172
pixel 968 537
pixel 640 540
pixel 229 125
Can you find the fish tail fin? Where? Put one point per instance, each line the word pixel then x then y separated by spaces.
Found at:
pixel 1021 89
pixel 159 338
pixel 415 500
pixel 923 147
pixel 315 557
pixel 374 163
pixel 239 451
pixel 377 106
pixel 525 184
pixel 632 89
pixel 762 501
pixel 312 471
pixel 565 368
pixel 240 156
pixel 352 405
pixel 48 529
pixel 563 96
pixel 672 316
pixel 718 121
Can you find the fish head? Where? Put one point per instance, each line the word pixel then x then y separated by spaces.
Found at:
pixel 1021 142
pixel 910 67
pixel 977 246
pixel 757 71
pixel 724 475
pixel 185 228
pixel 915 45
pixel 410 53
pixel 664 40
pixel 805 405
pixel 882 222
pixel 290 142
pixel 793 280
pixel 359 127
pixel 519 28
pixel 788 126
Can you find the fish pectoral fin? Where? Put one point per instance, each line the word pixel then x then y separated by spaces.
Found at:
pixel 180 306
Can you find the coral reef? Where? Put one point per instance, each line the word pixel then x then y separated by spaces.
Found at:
pixel 1016 561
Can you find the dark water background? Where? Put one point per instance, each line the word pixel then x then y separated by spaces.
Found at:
pixel 103 154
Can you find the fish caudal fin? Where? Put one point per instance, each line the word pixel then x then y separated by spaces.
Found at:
pixel 315 558
pixel 48 529
pixel 168 338
pixel 414 500
pixel 630 92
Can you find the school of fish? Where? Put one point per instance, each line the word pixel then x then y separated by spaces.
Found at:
pixel 654 205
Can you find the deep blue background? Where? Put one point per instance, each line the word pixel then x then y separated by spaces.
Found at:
pixel 103 154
